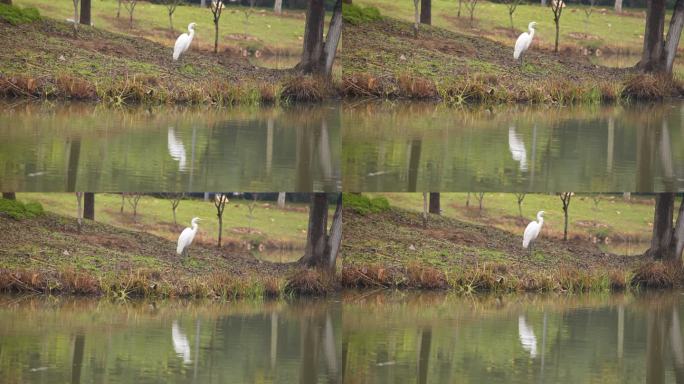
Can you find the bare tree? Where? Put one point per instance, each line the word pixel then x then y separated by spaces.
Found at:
pixel 248 12
pixel 250 207
pixel 76 16
pixel 130 7
pixel 79 211
pixel 85 12
pixel 426 12
pixel 118 9
pixel 281 200
pixel 322 247
pixel 565 199
pixel 470 6
pixel 416 17
pixel 123 202
pixel 435 206
pixel 89 205
pixel 480 199
pixel 512 5
pixel 318 54
pixel 596 197
pixel 220 200
pixel 278 7
pixel 174 199
pixel 667 241
pixel 519 197
pixel 468 200
pixel 557 9
pixel 133 199
pixel 171 6
pixel 460 4
pixel 216 10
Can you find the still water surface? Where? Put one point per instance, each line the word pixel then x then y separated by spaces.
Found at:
pixel 46 147
pixel 433 338
pixel 57 340
pixel 427 147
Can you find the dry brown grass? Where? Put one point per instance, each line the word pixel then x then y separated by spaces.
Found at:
pixel 309 282
pixel 658 274
pixel 648 87
pixel 304 89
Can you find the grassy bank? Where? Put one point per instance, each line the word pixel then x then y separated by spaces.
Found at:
pixel 458 68
pixel 44 252
pixel 43 59
pixel 267 228
pixel 468 257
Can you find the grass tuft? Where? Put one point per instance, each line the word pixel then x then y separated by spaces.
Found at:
pixel 19 211
pixel 364 205
pixel 15 15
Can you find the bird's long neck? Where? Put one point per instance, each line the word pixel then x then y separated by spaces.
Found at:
pixel 540 220
pixel 192 32
pixel 531 30
pixel 194 227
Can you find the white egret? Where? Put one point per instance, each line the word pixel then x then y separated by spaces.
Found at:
pixel 527 337
pixel 517 148
pixel 532 231
pixel 186 237
pixel 183 42
pixel 524 41
pixel 180 342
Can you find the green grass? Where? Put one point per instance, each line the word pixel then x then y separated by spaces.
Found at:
pixel 354 14
pixel 269 225
pixel 606 29
pixel 363 205
pixel 263 30
pixel 16 15
pixel 611 217
pixel 18 210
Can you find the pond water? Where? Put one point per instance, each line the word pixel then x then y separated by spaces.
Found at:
pixel 427 147
pixel 433 338
pixel 58 340
pixel 47 147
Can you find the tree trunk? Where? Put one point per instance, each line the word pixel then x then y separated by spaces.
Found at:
pixel 618 6
pixel 653 36
pixel 77 358
pixel 416 17
pixel 426 12
pixel 332 39
pixel 278 7
pixel 674 32
pixel 425 209
pixel 557 22
pixel 281 200
pixel 335 238
pixel 118 10
pixel 8 2
pixel 9 195
pixel 79 210
pixel 661 240
pixel 543 3
pixel 85 12
pixel 216 35
pixel 678 234
pixel 89 205
pixel 171 22
pixel 434 203
pixel 312 54
pixel 220 229
pixel 424 356
pixel 316 237
pixel 203 3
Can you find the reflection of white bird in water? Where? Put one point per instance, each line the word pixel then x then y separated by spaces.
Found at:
pixel 180 343
pixel 517 148
pixel 183 42
pixel 176 149
pixel 527 338
pixel 532 231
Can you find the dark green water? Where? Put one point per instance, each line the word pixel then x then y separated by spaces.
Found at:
pixel 426 147
pixel 48 148
pixel 88 341
pixel 412 338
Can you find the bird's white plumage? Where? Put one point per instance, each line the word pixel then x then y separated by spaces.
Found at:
pixel 180 343
pixel 183 42
pixel 186 237
pixel 524 41
pixel 527 337
pixel 532 230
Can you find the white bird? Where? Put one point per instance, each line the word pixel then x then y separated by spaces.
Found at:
pixel 180 343
pixel 176 149
pixel 527 337
pixel 183 42
pixel 517 148
pixel 524 41
pixel 186 237
pixel 532 231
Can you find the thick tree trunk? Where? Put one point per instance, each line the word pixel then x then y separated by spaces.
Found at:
pixel 661 240
pixel 335 238
pixel 9 195
pixel 278 7
pixel 317 238
pixel 424 356
pixel 618 6
pixel 332 39
pixel 674 32
pixel 85 12
pixel 653 36
pixel 89 205
pixel 426 12
pixel 434 203
pixel 678 234
pixel 312 54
